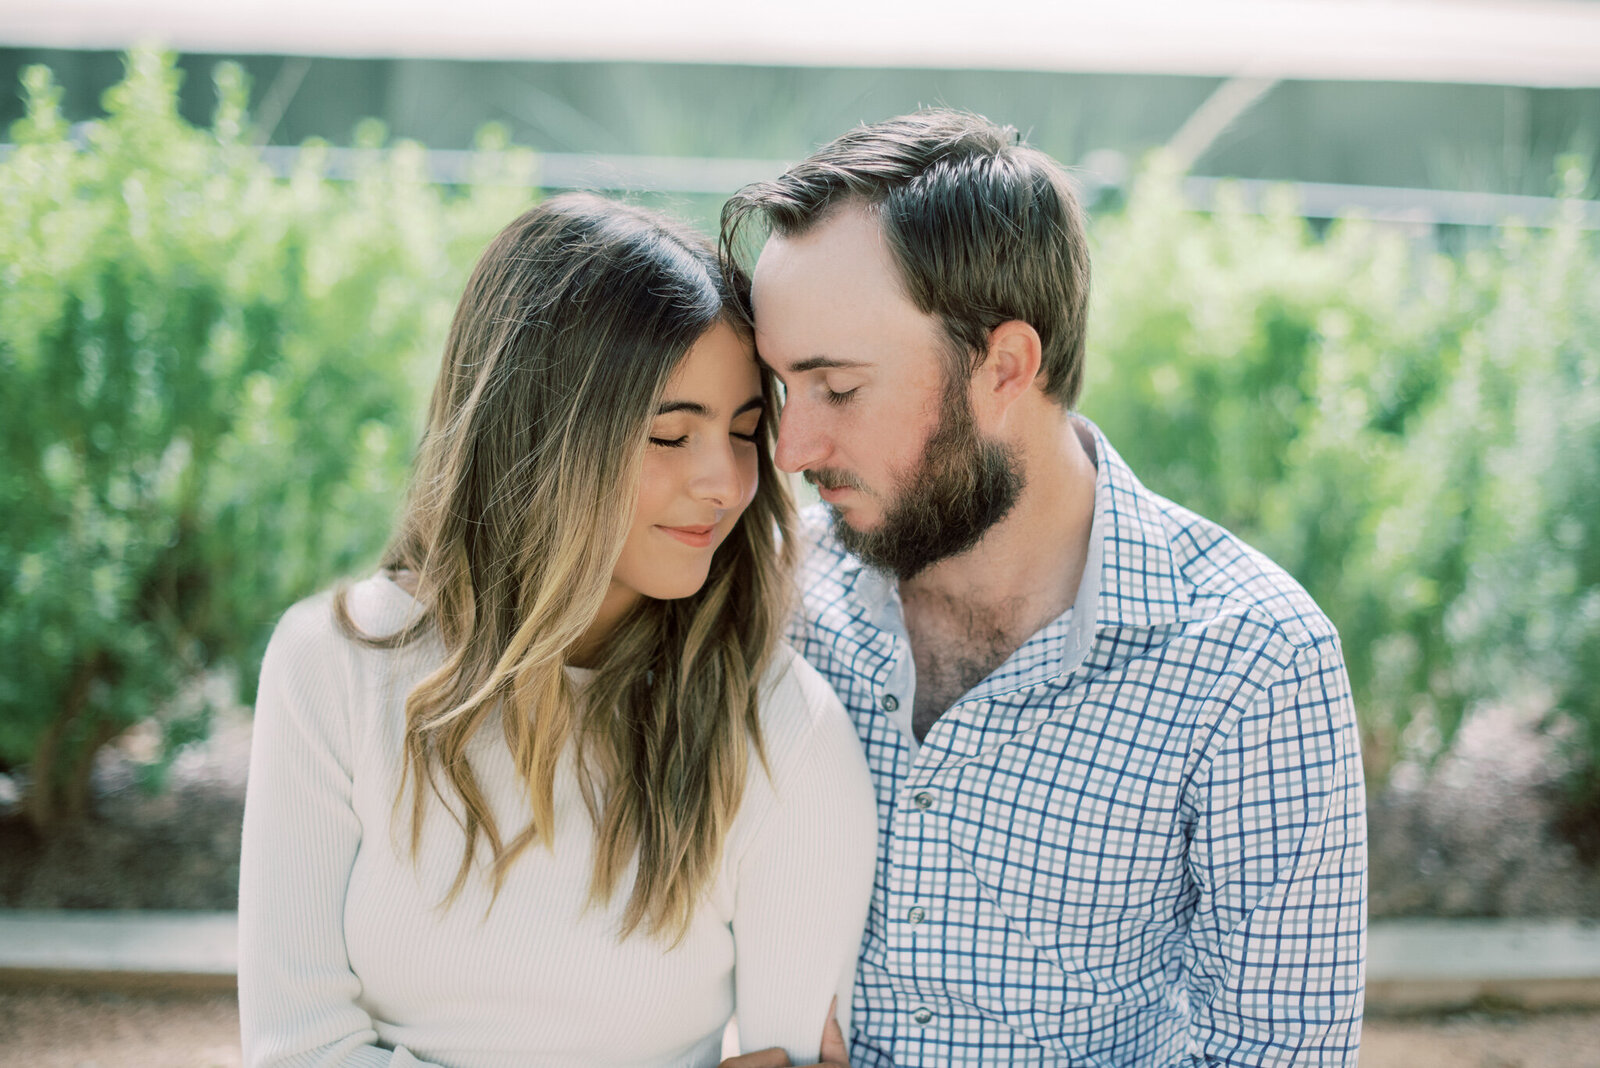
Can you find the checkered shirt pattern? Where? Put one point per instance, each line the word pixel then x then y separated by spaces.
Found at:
pixel 1140 841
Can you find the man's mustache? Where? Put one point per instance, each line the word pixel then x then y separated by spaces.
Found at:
pixel 830 479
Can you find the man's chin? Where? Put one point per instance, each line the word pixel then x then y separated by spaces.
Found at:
pixel 861 541
pixel 854 519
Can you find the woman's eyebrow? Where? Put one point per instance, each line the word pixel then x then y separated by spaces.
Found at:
pixel 692 407
pixel 698 409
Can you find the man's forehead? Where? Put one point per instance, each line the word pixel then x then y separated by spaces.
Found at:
pixel 846 247
pixel 836 276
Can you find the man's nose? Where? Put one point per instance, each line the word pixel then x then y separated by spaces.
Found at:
pixel 801 443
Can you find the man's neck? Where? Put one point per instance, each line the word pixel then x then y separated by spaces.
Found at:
pixel 967 615
pixel 1027 568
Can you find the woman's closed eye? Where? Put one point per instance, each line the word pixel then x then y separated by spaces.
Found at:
pixel 752 435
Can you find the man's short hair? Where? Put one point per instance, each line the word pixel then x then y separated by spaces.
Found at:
pixel 984 228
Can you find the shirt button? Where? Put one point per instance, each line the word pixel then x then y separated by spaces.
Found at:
pixel 924 801
pixel 890 702
pixel 916 915
pixel 923 1016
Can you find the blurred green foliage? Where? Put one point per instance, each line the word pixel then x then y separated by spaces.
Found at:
pixel 211 381
pixel 1415 437
pixel 212 378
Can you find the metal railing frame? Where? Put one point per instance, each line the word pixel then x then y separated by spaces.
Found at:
pixel 715 176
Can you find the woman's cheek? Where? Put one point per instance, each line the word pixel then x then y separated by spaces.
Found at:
pixel 750 478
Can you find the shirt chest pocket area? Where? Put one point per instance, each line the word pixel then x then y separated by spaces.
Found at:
pixel 1074 852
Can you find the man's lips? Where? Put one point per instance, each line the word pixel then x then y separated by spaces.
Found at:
pixel 697 537
pixel 832 494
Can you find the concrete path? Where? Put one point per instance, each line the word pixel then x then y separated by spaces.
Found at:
pixel 1416 965
pixel 1412 965
pixel 146 950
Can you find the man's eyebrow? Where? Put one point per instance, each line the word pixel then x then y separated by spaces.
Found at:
pixel 822 363
pixel 697 409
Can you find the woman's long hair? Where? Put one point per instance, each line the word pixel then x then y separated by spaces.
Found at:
pixel 524 488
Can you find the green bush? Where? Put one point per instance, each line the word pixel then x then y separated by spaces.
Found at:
pixel 1413 436
pixel 211 380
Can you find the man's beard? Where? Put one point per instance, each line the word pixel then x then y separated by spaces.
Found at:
pixel 961 486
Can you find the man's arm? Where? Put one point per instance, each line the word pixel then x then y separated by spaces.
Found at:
pixel 1277 946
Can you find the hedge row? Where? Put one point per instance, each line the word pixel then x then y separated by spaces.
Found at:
pixel 212 377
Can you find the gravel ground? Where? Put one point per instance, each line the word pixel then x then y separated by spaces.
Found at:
pixel 62 1029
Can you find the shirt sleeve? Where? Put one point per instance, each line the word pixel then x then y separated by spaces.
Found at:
pixel 297 994
pixel 1277 949
pixel 803 886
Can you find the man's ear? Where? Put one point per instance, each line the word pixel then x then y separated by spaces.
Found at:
pixel 1012 364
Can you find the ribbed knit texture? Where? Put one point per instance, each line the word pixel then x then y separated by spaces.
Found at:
pixel 347 958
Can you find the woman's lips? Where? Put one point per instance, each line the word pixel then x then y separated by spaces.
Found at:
pixel 696 537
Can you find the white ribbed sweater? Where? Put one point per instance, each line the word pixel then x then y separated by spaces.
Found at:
pixel 345 957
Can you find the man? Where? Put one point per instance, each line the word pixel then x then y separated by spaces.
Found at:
pixel 1119 785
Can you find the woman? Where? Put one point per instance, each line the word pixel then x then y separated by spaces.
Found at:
pixel 548 789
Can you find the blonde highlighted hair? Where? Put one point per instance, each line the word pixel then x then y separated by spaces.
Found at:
pixel 571 325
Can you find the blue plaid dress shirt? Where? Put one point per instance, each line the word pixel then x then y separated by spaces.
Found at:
pixel 1140 841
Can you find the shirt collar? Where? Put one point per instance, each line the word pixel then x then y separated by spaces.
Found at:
pixel 1139 581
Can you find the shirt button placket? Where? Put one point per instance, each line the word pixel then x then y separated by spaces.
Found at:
pixel 916 914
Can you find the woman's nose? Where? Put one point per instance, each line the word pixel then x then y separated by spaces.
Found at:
pixel 717 479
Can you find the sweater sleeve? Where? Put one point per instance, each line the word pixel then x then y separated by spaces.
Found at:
pixel 297 993
pixel 804 882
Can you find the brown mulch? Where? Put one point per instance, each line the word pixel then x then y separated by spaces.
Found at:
pixel 1476 834
pixel 176 849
